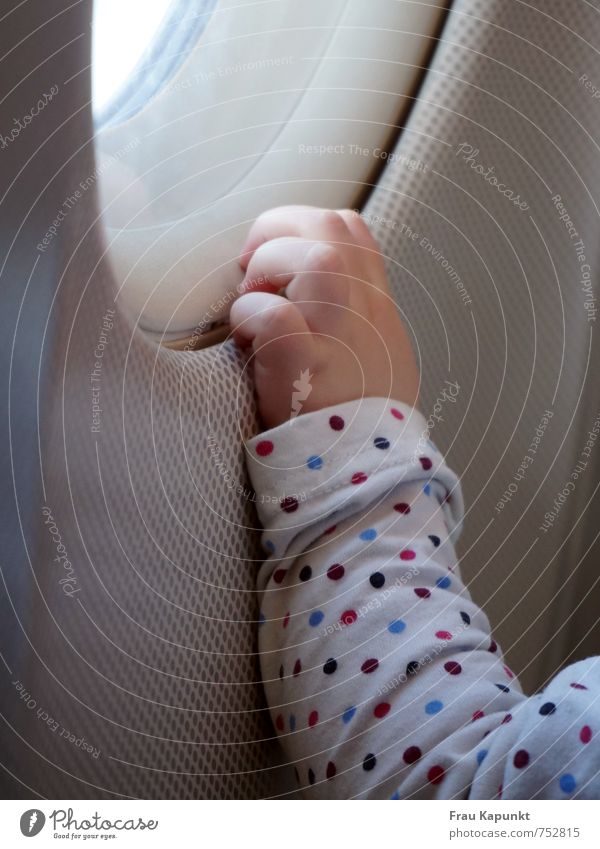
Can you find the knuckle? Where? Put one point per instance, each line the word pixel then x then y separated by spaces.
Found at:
pixel 324 257
pixel 331 222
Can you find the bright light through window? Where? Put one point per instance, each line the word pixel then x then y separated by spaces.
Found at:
pixel 122 30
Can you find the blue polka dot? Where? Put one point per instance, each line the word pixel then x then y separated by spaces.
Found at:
pixel 443 583
pixel 269 545
pixel 368 534
pixel 397 626
pixel 292 722
pixel 315 618
pixel 481 755
pixel 567 783
pixel 395 796
pixel 314 462
pixel 427 489
pixel 262 619
pixel 348 714
pixel 433 707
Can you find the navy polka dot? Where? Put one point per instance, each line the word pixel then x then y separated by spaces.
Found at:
pixel 305 573
pixel 369 762
pixel 381 442
pixel 377 580
pixel 330 666
pixel 547 708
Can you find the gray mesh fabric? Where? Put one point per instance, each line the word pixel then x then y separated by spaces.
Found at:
pixel 152 655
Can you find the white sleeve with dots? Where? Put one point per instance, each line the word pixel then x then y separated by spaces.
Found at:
pixel 380 673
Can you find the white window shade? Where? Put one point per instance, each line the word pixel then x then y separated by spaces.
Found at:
pixel 278 102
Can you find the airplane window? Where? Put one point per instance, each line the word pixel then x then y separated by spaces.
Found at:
pixel 136 47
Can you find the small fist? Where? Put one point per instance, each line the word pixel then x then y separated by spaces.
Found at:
pixel 316 310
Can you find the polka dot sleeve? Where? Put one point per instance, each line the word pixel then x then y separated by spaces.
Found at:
pixel 380 673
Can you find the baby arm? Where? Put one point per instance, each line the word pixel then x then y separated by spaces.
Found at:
pixel 380 672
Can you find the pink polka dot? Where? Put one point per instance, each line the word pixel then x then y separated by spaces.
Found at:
pixel 335 572
pixel 402 508
pixel 313 718
pixel 336 423
pixel 506 719
pixel 369 665
pixel 279 722
pixel 359 477
pixel 348 617
pixel 297 667
pixel 289 504
pixel 521 758
pixel 264 448
pixel 585 735
pixel 508 672
pixel 578 687
pixel 381 710
pixel 479 714
pixel 407 554
pixel 443 635
pixel 286 619
pixel 279 575
pixel 453 668
pixel 330 770
pixel 436 774
pixel 422 592
pixel 397 414
pixel 425 463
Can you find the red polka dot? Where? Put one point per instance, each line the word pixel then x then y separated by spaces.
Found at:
pixel 453 668
pixel 407 554
pixel 286 619
pixel 402 508
pixel 443 635
pixel 578 687
pixel 521 758
pixel 500 791
pixel 479 714
pixel 313 718
pixel 381 710
pixel 436 774
pixel 411 755
pixel 508 672
pixel 336 423
pixel 425 463
pixel 330 530
pixel 348 617
pixel 330 770
pixel 279 722
pixel 422 592
pixel 585 735
pixel 289 504
pixel 297 667
pixel 264 448
pixel 369 665
pixel 506 719
pixel 279 575
pixel 397 414
pixel 335 572
pixel 493 646
pixel 359 477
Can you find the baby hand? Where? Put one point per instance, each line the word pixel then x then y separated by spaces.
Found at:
pixel 337 335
